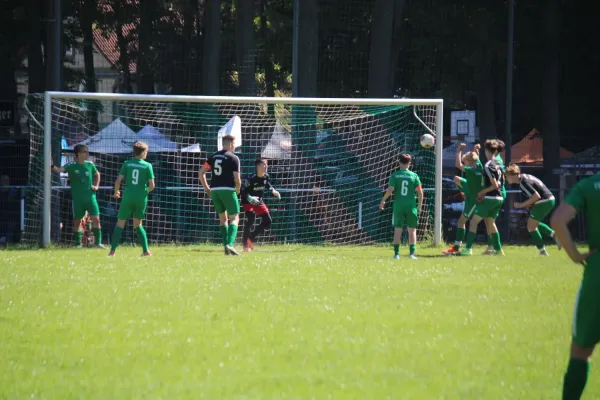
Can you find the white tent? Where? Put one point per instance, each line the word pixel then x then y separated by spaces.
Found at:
pixel 115 138
pixel 156 140
pixel 195 148
pixel 232 127
pixel 280 144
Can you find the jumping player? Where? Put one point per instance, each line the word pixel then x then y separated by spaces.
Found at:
pixel 489 201
pixel 541 201
pixel 404 185
pixel 253 190
pixel 84 179
pixel 470 185
pixel 224 190
pixel 584 197
pixel 139 181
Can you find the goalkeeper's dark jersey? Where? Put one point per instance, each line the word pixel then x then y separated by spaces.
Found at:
pixel 223 164
pixel 255 186
pixel 531 185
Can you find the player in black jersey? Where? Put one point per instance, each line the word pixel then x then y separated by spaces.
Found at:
pixel 225 187
pixel 540 199
pixel 253 190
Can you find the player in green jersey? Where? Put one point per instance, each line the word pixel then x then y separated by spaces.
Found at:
pixel 84 179
pixel 584 197
pixel 489 201
pixel 139 181
pixel 471 184
pixel 541 201
pixel 404 184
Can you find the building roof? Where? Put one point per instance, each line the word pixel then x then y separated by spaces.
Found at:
pixel 106 42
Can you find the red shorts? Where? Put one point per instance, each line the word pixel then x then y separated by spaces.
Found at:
pixel 259 210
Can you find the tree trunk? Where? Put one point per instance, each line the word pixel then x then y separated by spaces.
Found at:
pixel 266 59
pixel 122 43
pixel 245 47
pixel 35 59
pixel 550 95
pixel 380 64
pixel 212 48
pixel 486 108
pixel 145 77
pixel 308 48
pixel 89 8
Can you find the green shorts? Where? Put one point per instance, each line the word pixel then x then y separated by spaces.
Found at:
pixel 135 208
pixel 586 317
pixel 225 201
pixel 408 216
pixel 489 207
pixel 80 206
pixel 469 207
pixel 541 209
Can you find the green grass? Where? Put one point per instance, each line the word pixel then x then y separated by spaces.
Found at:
pixel 285 322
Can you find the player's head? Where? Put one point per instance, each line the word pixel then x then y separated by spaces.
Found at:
pixel 491 148
pixel 404 160
pixel 229 142
pixel 140 150
pixel 261 166
pixel 81 152
pixel 501 145
pixel 513 174
pixel 470 159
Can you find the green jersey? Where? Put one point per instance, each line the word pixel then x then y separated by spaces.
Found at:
pixel 405 183
pixel 500 161
pixel 80 179
pixel 585 196
pixel 474 177
pixel 137 173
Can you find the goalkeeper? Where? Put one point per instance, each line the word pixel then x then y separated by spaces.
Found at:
pixel 252 202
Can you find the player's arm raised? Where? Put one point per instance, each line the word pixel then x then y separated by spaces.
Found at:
pixel 458 162
pixel 560 221
pixel 54 168
pixel 202 175
pixel 117 193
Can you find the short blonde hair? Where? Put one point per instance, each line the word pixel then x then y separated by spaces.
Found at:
pixel 139 148
pixel 513 169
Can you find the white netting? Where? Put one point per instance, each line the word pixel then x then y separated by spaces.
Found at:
pixel 331 164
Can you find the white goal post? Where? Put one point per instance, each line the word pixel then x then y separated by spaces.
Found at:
pixel 433 124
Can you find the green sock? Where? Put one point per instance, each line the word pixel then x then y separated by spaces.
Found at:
pixel 231 234
pixel 470 239
pixel 496 241
pixel 223 232
pixel 490 241
pixel 460 235
pixel 412 248
pixel 142 238
pixel 545 230
pixel 97 235
pixel 537 239
pixel 78 236
pixel 575 379
pixel 396 249
pixel 116 238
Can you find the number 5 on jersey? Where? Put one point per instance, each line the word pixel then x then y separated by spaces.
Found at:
pixel 217 170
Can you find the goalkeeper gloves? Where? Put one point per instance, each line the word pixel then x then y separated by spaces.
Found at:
pixel 253 200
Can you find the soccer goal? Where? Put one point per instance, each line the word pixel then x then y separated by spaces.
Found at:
pixel 329 158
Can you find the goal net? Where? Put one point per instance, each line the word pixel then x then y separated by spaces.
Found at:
pixel 330 160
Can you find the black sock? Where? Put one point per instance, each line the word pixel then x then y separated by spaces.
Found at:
pixel 575 379
pixel 248 224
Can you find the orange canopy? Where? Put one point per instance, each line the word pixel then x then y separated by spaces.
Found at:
pixel 531 149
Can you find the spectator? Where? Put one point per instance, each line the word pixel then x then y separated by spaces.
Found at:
pixel 9 210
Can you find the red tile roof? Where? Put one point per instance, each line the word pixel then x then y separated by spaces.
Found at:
pixel 106 42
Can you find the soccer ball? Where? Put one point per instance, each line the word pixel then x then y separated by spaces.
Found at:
pixel 427 141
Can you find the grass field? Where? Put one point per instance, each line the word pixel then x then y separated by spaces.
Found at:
pixel 285 322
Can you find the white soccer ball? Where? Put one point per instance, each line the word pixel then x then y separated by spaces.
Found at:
pixel 427 141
